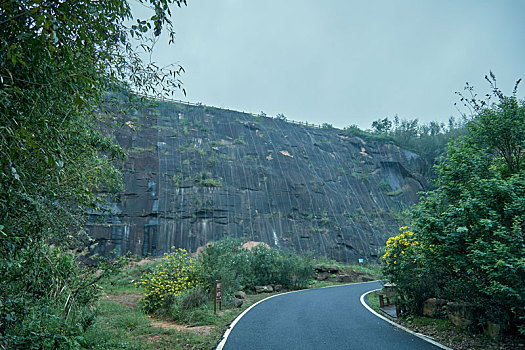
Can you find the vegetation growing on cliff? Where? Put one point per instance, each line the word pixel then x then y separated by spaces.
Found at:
pixel 427 140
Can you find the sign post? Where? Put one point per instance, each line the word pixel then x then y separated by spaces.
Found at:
pixel 218 296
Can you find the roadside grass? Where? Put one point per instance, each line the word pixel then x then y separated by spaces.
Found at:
pixel 119 327
pixel 120 323
pixel 373 300
pixel 124 281
pixel 438 324
pixel 370 270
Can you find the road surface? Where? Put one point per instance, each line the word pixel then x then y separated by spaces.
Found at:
pixel 326 318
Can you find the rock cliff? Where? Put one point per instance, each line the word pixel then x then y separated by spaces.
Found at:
pixel 196 174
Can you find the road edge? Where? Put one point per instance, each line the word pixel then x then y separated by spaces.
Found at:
pixel 419 335
pixel 226 334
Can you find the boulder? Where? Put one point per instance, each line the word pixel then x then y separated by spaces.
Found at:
pixel 327 269
pixel 344 278
pixel 236 303
pixel 240 295
pixel 461 314
pixel 322 276
pixel 319 269
pixel 278 287
pixel 492 330
pixel 433 307
pixel 364 279
pixel 264 289
pixel 332 269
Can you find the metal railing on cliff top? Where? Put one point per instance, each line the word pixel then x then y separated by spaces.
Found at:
pixel 188 103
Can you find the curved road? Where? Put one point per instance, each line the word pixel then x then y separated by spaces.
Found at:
pixel 326 318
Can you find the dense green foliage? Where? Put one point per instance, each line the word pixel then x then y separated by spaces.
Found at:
pixel 240 268
pixel 58 60
pixel 470 230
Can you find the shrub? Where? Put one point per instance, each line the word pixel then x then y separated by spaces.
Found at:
pixel 227 261
pixel 175 275
pixel 272 266
pixel 180 283
pixel 193 298
pixel 404 265
pixel 46 302
pixel 185 307
pixel 239 268
pixel 239 141
pixel 472 225
pixel 297 270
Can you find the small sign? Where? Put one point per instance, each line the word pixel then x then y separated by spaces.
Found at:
pixel 218 290
pixel 218 296
pixel 361 261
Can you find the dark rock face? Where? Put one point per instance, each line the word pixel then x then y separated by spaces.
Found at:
pixel 196 174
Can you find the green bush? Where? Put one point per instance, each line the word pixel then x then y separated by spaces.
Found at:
pixel 175 275
pixel 46 301
pixel 405 264
pixel 227 261
pixel 193 298
pixel 384 186
pixel 239 268
pixel 265 266
pixel 67 63
pixel 182 307
pixel 272 266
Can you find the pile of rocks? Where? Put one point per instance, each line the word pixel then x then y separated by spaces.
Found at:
pixel 270 288
pixel 325 272
pixel 461 314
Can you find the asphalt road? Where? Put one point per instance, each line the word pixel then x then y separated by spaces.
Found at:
pixel 327 318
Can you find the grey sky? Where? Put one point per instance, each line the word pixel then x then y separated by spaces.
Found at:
pixel 345 62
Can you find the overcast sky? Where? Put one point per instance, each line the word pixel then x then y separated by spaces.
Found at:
pixel 345 62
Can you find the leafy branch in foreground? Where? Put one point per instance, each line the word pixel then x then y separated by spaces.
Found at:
pixel 58 62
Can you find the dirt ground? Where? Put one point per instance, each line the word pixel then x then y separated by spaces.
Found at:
pixel 131 300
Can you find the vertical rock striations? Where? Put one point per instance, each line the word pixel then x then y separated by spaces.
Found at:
pixel 196 174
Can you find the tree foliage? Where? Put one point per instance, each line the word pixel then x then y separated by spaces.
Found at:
pixel 58 61
pixel 471 228
pixel 500 128
pixel 427 140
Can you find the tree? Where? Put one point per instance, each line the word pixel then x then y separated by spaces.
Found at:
pixel 381 126
pixel 471 229
pixel 500 128
pixel 58 62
